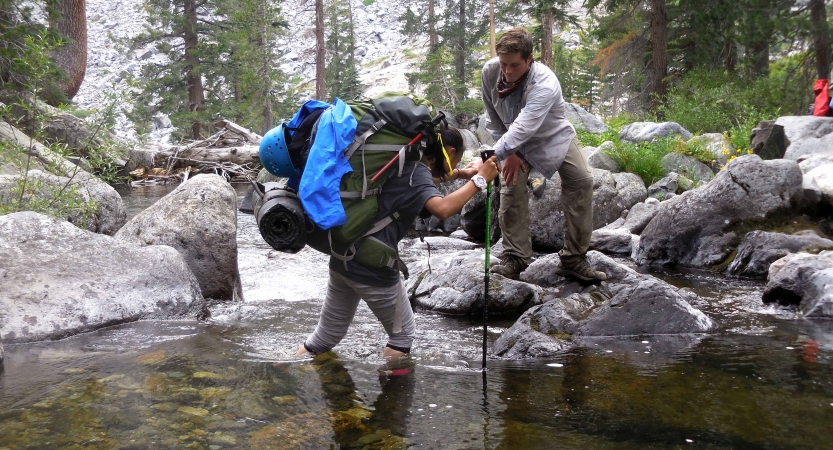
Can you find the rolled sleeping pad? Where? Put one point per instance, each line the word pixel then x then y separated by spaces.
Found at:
pixel 281 219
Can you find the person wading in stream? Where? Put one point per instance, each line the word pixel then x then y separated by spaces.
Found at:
pixel 525 115
pixel 413 194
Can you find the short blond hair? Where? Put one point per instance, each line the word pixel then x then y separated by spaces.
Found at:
pixel 516 40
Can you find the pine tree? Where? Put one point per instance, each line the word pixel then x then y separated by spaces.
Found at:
pixel 342 75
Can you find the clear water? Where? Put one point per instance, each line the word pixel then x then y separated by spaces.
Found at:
pixel 763 381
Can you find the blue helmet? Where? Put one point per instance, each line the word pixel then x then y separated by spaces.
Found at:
pixel 274 153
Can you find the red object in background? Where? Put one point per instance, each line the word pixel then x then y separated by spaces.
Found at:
pixel 811 351
pixel 821 107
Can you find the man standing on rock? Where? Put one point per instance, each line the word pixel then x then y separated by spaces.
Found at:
pixel 525 115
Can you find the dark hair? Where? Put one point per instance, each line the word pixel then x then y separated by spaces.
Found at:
pixel 451 138
pixel 516 40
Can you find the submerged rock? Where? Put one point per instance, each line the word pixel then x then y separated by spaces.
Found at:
pixel 199 219
pixel 759 249
pixel 454 285
pixel 57 280
pixel 805 280
pixel 701 228
pixel 628 304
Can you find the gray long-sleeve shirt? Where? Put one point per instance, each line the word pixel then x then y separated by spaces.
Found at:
pixel 531 121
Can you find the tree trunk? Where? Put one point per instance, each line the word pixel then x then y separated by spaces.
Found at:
pixel 492 50
pixel 821 38
pixel 760 58
pixel 266 73
pixel 659 54
pixel 193 75
pixel 320 82
pixel 71 22
pixel 460 51
pixel 546 39
pixel 433 37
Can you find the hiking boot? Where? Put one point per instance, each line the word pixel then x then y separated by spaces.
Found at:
pixel 576 266
pixel 538 185
pixel 509 267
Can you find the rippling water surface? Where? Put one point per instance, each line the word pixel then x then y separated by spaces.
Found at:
pixel 763 380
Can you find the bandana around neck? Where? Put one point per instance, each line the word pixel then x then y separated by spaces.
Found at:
pixel 505 88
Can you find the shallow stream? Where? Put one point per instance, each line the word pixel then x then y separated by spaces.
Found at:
pixel 762 381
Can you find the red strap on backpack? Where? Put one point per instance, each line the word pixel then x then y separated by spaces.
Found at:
pixel 821 107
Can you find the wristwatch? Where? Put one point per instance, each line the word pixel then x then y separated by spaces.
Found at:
pixel 479 181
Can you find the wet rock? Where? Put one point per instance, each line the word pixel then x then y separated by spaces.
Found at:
pixel 598 159
pixel 818 185
pixel 689 167
pixel 701 228
pixel 199 412
pixel 789 283
pixel 649 131
pixel 759 249
pixel 455 286
pixel 806 136
pixel 583 120
pixel 628 304
pixel 309 430
pixel 214 393
pixel 411 249
pixel 108 216
pixel 199 219
pixel 58 280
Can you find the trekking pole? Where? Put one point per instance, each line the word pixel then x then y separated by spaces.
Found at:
pixel 434 122
pixel 485 155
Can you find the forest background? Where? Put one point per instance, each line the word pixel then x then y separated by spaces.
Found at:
pixel 710 65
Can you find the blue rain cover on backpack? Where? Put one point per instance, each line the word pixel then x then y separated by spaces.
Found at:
pixel 319 188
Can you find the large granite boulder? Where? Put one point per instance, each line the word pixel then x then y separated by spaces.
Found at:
pixel 435 225
pixel 482 134
pixel 199 219
pixel 621 236
pixel 454 285
pixel 666 187
pixel 106 216
pixel 759 249
pixel 806 136
pixel 598 158
pixel 650 131
pixel 627 304
pixel 802 279
pixel 769 140
pixel 816 160
pixel 57 280
pixel 473 216
pixel 702 227
pixel 583 120
pixel 818 185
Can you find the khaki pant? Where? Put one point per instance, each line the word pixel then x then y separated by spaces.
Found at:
pixel 576 197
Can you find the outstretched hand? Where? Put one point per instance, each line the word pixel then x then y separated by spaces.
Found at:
pixel 511 166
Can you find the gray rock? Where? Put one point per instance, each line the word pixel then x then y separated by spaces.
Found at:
pixel 716 144
pixel 807 136
pixel 664 187
pixel 598 159
pixel 547 217
pixel 689 167
pixel 759 249
pixel 1 355
pixel 473 216
pixel 769 140
pixel 109 214
pixel 483 135
pixel 639 216
pixel 614 193
pixel 612 242
pixel 649 131
pixel 628 304
pixel 814 161
pixel 583 120
pixel 789 281
pixel 817 301
pixel 470 143
pixel 818 185
pixel 57 280
pixel 454 285
pixel 700 228
pixel 199 219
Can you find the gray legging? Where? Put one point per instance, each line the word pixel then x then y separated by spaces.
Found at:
pixel 389 304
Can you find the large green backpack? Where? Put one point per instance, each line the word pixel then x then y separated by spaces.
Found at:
pixel 387 126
